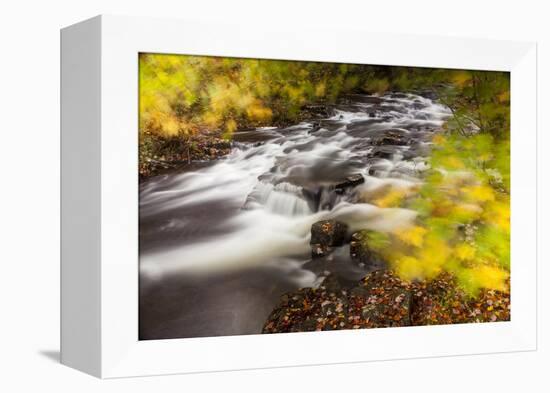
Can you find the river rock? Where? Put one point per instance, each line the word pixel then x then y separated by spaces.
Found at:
pixel 385 299
pixel 394 309
pixel 359 249
pixel 328 233
pixel 320 250
pixel 315 126
pixel 399 95
pixel 390 139
pixel 319 111
pixel 331 284
pixel 325 235
pixel 350 181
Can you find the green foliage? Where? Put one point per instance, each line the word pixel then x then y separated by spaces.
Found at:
pixel 480 102
pixel 463 224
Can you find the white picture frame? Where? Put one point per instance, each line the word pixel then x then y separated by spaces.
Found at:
pixel 99 98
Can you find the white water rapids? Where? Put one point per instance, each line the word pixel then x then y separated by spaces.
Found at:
pixel 220 243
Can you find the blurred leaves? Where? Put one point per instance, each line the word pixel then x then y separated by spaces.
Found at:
pixel 463 206
pixel 185 94
pixel 463 226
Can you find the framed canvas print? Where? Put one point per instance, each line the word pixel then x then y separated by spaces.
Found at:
pixel 239 197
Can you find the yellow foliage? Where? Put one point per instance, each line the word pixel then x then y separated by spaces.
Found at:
pixel 258 112
pixel 438 139
pixel 409 268
pixel 498 214
pixel 443 207
pixel 212 119
pixel 485 157
pixel 433 254
pixel 463 225
pixel 320 89
pixel 413 236
pixel 171 126
pixel 464 252
pixel 453 162
pixel 230 126
pixel 392 198
pixel 465 212
pixel 484 277
pixel 461 78
pixel 504 97
pixel 481 193
pixel 295 94
pixel 377 85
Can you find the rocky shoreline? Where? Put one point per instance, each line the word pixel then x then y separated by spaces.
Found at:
pixel 160 154
pixel 380 299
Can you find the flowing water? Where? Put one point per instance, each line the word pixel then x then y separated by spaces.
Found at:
pixel 221 241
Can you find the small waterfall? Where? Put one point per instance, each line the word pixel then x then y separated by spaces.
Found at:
pixel 283 198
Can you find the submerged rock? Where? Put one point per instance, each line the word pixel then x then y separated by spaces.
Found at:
pixel 332 284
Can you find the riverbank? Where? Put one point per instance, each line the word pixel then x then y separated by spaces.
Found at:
pixel 160 154
pixel 380 300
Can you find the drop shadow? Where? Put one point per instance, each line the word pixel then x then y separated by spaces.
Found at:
pixel 52 355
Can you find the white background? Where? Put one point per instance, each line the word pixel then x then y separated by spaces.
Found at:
pixel 29 192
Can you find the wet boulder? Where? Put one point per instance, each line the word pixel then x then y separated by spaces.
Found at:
pixel 319 111
pixel 325 235
pixel 384 299
pixel 399 95
pixel 315 126
pixel 430 94
pixel 320 250
pixel 392 310
pixel 328 232
pixel 349 181
pixel 391 139
pixel 359 249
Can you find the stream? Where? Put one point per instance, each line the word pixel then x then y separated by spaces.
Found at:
pixel 221 241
